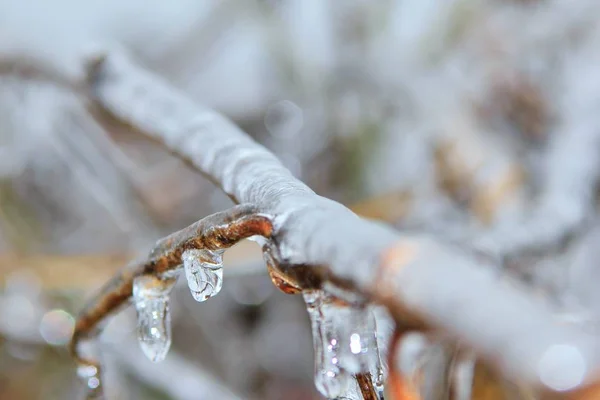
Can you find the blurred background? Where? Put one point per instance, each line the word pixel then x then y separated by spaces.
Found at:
pixel 475 120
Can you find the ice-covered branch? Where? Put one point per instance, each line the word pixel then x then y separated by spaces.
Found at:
pixel 198 248
pixel 425 283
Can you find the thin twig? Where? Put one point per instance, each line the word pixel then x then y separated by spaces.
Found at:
pixel 218 231
pixel 365 384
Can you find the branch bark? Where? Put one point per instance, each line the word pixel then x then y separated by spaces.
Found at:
pixel 426 284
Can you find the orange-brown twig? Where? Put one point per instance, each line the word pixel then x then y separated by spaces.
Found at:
pixel 218 231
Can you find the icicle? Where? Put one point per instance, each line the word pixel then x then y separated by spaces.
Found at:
pixel 151 299
pixel 359 351
pixel 204 272
pixel 345 341
pixel 376 367
pixel 331 380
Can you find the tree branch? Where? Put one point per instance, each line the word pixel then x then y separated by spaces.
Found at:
pixel 425 283
pixel 218 231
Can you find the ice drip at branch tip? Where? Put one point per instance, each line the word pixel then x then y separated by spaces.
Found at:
pixel 204 272
pixel 151 300
pixel 359 348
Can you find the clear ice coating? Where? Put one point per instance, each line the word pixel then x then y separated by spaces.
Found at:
pixel 151 299
pixel 204 272
pixel 353 392
pixel 359 351
pixel 345 344
pixel 330 379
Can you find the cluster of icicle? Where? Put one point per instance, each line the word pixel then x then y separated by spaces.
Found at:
pixel 204 273
pixel 344 336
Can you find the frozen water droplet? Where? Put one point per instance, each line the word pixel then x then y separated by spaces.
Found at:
pixel 151 299
pixel 204 272
pixel 330 379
